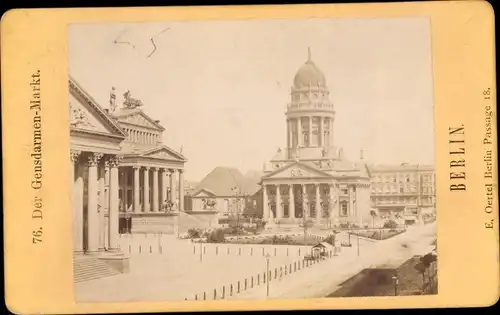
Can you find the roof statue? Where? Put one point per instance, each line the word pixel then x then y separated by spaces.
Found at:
pixel 112 99
pixel 130 102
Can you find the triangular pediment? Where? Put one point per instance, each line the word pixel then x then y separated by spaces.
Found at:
pixel 86 115
pixel 204 193
pixel 166 153
pixel 297 170
pixel 139 118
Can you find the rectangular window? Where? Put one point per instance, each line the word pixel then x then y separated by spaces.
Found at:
pixel 343 209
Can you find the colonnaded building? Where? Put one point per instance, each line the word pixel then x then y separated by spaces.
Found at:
pixel 310 178
pixel 122 175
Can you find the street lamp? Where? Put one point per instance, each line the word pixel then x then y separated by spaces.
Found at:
pixel 267 274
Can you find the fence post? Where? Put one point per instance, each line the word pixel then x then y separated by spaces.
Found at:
pixel 251 282
pixel 239 251
pixel 215 294
pixel 299 264
pixel 196 297
pixel 258 279
pixel 160 249
pixel 299 252
pixel 228 250
pixel 150 249
pixel 223 291
pixel 204 296
pixel 281 272
pixel 275 273
pixel 140 249
pixel 194 249
pixel 245 284
pixel 290 268
pixel 264 278
pixel 129 249
pixel 216 250
pixel 238 286
pixel 231 290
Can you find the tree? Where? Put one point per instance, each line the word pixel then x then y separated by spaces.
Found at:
pixel 194 233
pixel 391 224
pixel 373 213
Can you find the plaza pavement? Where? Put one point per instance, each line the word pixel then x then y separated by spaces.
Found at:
pixel 324 278
pixel 179 273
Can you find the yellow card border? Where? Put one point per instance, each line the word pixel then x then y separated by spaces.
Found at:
pixel 38 277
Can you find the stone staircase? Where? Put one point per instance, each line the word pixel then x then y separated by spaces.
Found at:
pixel 87 268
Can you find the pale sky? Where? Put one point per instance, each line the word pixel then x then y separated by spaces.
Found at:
pixel 220 88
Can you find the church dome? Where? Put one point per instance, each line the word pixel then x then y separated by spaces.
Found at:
pixel 309 74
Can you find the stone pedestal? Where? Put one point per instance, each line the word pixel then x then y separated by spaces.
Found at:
pixel 117 261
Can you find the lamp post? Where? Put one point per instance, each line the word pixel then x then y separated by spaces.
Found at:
pixel 358 244
pixel 267 274
pixel 201 251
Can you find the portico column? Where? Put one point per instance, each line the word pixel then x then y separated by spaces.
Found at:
pixel 76 200
pixel 332 202
pixel 299 132
pixel 93 216
pixel 265 205
pixel 105 226
pixel 278 202
pixel 137 198
pixel 155 189
pixel 101 204
pixel 291 206
pixel 305 209
pixel 163 185
pixel 146 190
pixel 172 185
pixel 125 188
pixel 114 215
pixel 181 190
pixel 318 204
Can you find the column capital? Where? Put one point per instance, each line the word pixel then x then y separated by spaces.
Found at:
pixel 115 160
pixel 180 170
pixel 171 170
pixel 155 169
pixel 93 158
pixel 136 167
pixel 74 155
pixel 147 168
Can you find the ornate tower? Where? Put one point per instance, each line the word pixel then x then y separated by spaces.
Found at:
pixel 310 114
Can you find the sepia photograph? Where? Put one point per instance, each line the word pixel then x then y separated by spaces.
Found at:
pixel 252 159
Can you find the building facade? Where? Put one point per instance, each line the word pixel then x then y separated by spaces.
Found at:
pixel 121 173
pixel 226 192
pixel 403 192
pixel 310 178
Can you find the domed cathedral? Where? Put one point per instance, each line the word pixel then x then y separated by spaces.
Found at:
pixel 310 179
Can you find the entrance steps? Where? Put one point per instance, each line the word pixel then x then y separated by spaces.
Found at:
pixel 87 268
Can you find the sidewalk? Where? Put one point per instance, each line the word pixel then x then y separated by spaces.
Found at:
pixel 324 277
